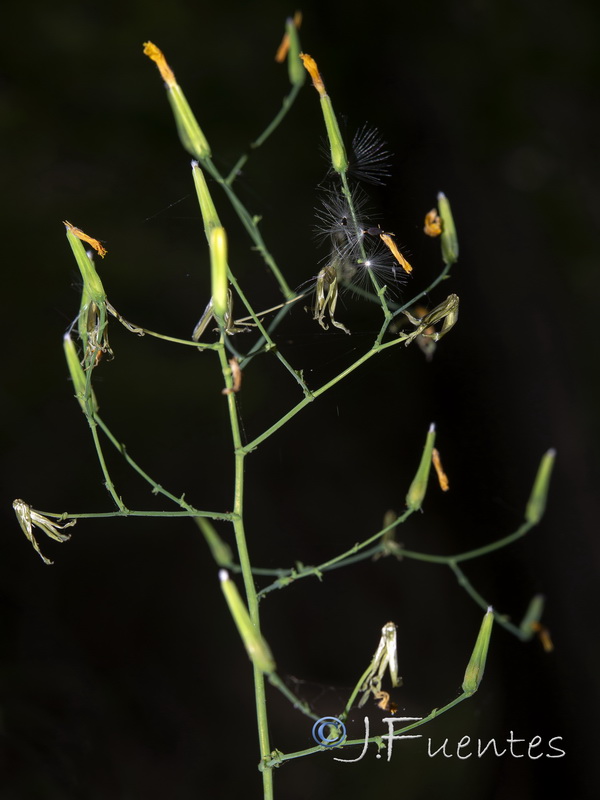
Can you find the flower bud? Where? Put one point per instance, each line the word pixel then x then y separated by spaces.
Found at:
pixel 529 623
pixel 339 159
pixel 256 646
pixel 80 383
pixel 296 73
pixel 190 133
pixel 448 238
pixel 207 207
pixel 476 666
pixel 221 552
pixel 91 279
pixel 418 487
pixel 218 268
pixel 536 504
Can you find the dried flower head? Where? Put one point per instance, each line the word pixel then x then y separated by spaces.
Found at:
pixel 28 519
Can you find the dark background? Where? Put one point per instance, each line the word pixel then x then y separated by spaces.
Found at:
pixel 120 672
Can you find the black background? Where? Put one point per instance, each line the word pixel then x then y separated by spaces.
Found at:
pixel 121 675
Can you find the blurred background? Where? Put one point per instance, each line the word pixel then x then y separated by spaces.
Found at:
pixel 120 672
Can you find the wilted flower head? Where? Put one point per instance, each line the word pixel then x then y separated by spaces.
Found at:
pixel 28 519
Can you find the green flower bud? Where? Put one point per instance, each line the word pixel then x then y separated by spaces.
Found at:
pixel 448 238
pixel 418 487
pixel 190 133
pixel 339 159
pixel 78 377
pixel 221 552
pixel 530 622
pixel 91 279
pixel 296 72
pixel 476 666
pixel 220 281
pixel 207 207
pixel 256 646
pixel 536 504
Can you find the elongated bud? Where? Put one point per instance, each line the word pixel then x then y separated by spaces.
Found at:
pixel 221 552
pixel 476 666
pixel 339 159
pixel 418 488
pixel 78 377
pixel 88 311
pixel 207 207
pixel 539 494
pixel 75 369
pixel 256 646
pixel 448 238
pixel 296 73
pixel 218 265
pixel 530 622
pixel 190 133
pixel 91 279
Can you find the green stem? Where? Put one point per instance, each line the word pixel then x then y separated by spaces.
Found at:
pixel 93 423
pixel 380 291
pixel 470 554
pixel 258 346
pixel 276 681
pixel 288 102
pixel 127 512
pixel 156 487
pixel 246 568
pixel 326 386
pixel 442 276
pixel 332 563
pixel 501 619
pixel 269 343
pixel 279 757
pixel 252 228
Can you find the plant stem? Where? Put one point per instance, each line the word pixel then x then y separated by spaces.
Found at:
pixel 156 487
pixel 501 619
pixel 288 101
pixel 279 758
pixel 246 568
pixel 269 343
pixel 276 681
pixel 332 563
pixel 127 512
pixel 93 423
pixel 375 350
pixel 470 554
pixel 252 228
pixel 358 233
